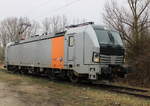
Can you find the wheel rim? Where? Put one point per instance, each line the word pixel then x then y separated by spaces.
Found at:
pixel 73 78
pixel 24 71
pixel 51 76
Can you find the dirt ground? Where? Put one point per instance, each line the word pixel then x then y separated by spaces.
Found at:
pixel 8 97
pixel 18 90
pixel 21 96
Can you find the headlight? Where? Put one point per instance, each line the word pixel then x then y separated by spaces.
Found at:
pixel 96 57
pixel 124 60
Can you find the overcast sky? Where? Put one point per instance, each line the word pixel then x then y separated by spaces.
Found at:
pixel 90 10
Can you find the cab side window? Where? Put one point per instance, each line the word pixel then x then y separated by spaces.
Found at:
pixel 71 41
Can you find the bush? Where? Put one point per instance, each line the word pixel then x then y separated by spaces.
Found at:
pixel 138 56
pixel 1 54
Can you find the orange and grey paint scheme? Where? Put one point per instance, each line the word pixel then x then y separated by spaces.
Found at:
pixel 57 48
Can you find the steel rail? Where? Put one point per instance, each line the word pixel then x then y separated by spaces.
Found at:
pixel 142 93
pixel 123 88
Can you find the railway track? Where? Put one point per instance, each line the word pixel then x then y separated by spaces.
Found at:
pixel 142 93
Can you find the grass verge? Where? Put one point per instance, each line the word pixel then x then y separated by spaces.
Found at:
pixel 42 92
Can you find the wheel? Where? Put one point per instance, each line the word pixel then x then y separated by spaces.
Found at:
pixel 51 75
pixel 72 77
pixel 13 70
pixel 24 72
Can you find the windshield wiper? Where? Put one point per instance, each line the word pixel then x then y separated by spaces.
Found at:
pixel 111 37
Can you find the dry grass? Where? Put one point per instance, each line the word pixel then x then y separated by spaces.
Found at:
pixel 42 92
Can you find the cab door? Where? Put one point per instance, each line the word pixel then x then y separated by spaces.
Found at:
pixel 71 48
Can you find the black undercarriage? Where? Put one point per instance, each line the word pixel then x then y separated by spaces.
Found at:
pixel 107 73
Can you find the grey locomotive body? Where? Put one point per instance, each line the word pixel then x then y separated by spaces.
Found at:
pixel 84 51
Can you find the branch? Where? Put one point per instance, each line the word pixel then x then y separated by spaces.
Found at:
pixel 146 5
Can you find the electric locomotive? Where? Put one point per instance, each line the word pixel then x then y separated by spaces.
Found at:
pixel 82 52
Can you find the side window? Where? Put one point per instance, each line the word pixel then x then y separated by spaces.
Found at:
pixel 71 41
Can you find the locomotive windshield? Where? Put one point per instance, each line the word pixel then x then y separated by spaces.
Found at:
pixel 108 37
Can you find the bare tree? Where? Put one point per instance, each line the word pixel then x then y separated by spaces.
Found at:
pixel 4 37
pixel 14 29
pixel 32 30
pixel 46 25
pixel 131 21
pixel 54 24
pixel 1 54
pixel 134 24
